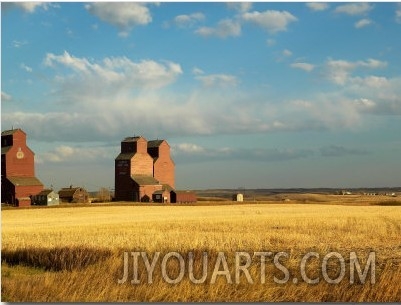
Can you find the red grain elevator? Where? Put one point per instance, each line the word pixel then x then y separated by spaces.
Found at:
pixel 143 168
pixel 18 181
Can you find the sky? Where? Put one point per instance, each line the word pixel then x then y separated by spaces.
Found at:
pixel 248 95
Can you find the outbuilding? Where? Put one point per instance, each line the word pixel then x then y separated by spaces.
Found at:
pixel 238 197
pixel 182 196
pixel 46 197
pixel 73 195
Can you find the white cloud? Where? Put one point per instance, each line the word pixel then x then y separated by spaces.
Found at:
pixel 371 94
pixel 303 66
pixel 218 80
pixel 353 9
pixel 117 71
pixel 287 53
pixel 317 6
pixel 241 7
pixel 376 94
pixel 69 32
pixel 65 151
pixel 26 68
pixel 372 63
pixel 187 148
pixel 345 107
pixel 362 23
pixel 271 21
pixel 225 28
pixel 339 70
pixel 67 60
pixel 197 71
pixel 337 75
pixel 5 97
pixel 124 15
pixel 365 103
pixel 28 7
pixel 270 42
pixel 188 20
pixel 69 154
pixel 372 81
pixel 301 104
pixel 123 34
pixel 18 44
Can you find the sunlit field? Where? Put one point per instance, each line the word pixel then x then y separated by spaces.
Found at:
pixel 76 253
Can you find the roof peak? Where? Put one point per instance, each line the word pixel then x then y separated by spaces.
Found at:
pixel 11 131
pixel 133 139
pixel 155 143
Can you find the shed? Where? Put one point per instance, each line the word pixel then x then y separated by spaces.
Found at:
pixel 182 196
pixel 73 195
pixel 46 197
pixel 23 201
pixel 162 196
pixel 238 197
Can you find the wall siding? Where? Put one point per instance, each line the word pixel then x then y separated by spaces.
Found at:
pixel 164 166
pixel 142 164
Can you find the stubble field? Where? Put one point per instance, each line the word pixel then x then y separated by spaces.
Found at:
pixel 76 253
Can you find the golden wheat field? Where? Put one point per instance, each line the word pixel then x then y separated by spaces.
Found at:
pixel 77 253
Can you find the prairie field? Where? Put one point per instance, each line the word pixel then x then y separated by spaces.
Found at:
pixel 77 253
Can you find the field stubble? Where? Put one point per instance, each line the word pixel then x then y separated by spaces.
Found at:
pixel 76 254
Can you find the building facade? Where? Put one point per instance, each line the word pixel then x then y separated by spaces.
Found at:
pixel 18 181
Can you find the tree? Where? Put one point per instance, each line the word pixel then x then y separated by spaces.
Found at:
pixel 103 195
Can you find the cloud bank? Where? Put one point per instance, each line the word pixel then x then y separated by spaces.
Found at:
pixel 98 100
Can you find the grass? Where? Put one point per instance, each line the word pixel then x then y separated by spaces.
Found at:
pixel 55 259
pixel 389 203
pixel 76 254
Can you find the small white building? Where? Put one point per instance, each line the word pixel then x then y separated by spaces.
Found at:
pixel 238 197
pixel 46 197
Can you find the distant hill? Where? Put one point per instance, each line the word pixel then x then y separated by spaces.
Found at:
pixel 273 194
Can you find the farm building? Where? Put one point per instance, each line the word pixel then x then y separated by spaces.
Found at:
pixel 182 196
pixel 46 197
pixel 161 196
pixel 143 168
pixel 18 181
pixel 73 195
pixel 238 197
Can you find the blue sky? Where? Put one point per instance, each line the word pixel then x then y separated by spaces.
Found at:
pixel 255 95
